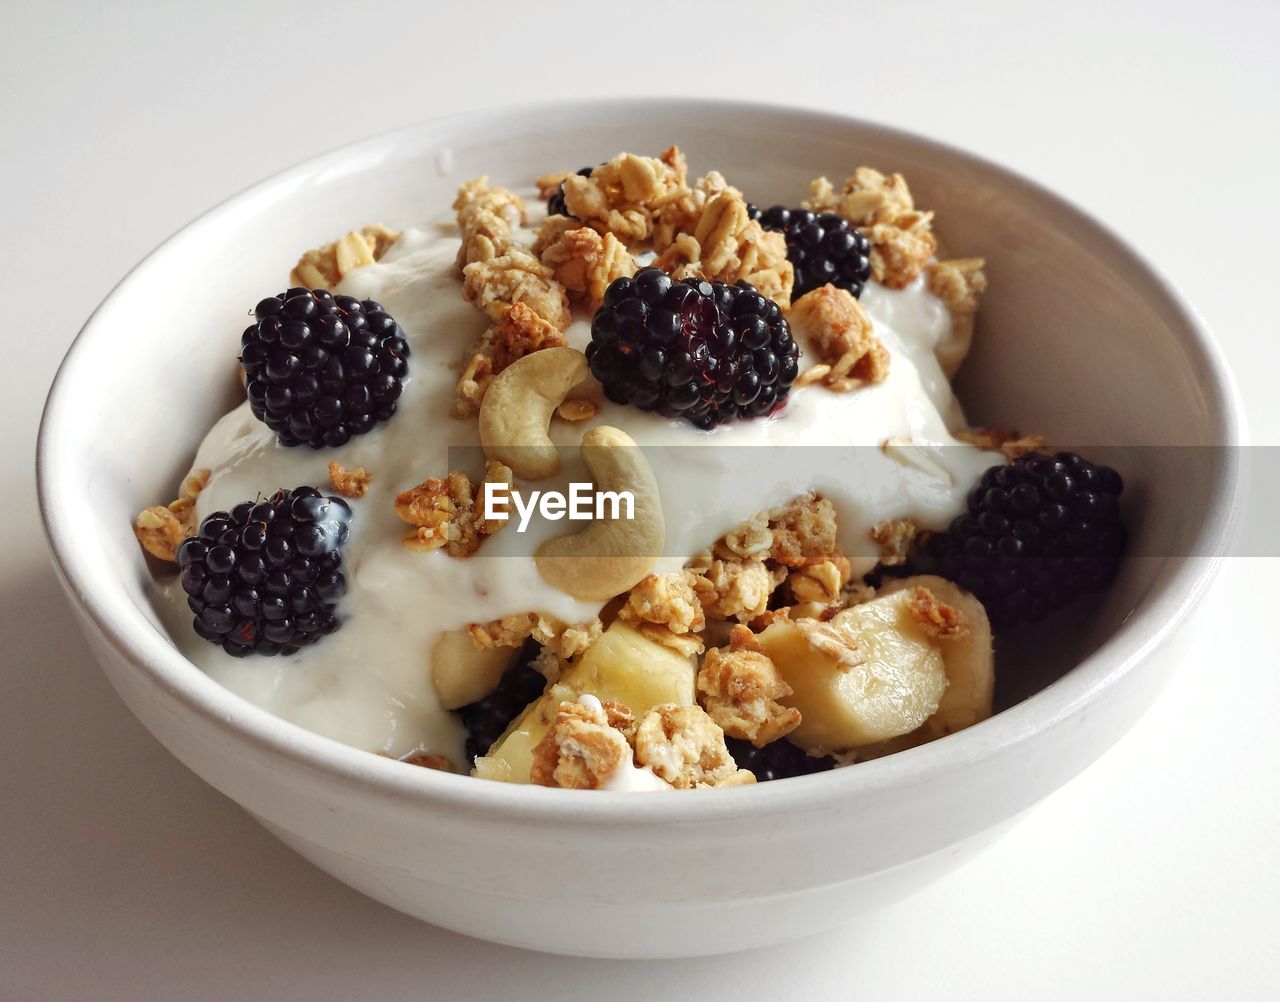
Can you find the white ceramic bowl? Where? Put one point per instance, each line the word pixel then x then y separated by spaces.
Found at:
pixel 1078 338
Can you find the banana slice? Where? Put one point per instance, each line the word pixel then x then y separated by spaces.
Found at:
pixel 969 660
pixel 461 673
pixel 624 665
pixel 872 673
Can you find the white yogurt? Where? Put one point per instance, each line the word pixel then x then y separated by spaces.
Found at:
pixel 368 684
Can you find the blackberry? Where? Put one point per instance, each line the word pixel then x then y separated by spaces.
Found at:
pixel 265 577
pixel 776 760
pixel 487 718
pixel 321 368
pixel 555 204
pixel 824 248
pixel 1038 533
pixel 704 351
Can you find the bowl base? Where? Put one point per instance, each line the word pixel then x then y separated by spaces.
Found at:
pixel 632 930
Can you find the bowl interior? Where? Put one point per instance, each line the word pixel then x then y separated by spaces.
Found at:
pixel 1076 339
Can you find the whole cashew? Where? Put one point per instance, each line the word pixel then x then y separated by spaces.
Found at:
pixel 516 411
pixel 462 673
pixel 609 556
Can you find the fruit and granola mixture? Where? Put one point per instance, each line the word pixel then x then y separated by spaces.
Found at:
pixel 820 547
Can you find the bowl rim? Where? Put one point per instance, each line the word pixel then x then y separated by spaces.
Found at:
pixel 1170 599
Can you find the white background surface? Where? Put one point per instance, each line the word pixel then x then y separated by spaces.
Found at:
pixel 122 876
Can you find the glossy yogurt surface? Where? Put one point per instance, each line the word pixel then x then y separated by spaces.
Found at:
pixel 369 683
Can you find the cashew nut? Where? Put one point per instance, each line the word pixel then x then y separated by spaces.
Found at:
pixel 462 673
pixel 609 556
pixel 517 409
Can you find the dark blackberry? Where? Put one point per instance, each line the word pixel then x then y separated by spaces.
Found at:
pixel 487 718
pixel 776 760
pixel 704 351
pixel 555 204
pixel 1038 533
pixel 824 248
pixel 265 577
pixel 321 368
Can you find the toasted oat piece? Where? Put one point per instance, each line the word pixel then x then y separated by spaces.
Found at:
pixel 1004 440
pixel 585 262
pixel 734 588
pixel 682 215
pixel 563 640
pixel 486 216
pixel 840 334
pixel 325 267
pixel 577 409
pixel 894 538
pixel 550 230
pixel 496 284
pixel 447 512
pixel 901 249
pixel 666 609
pixel 726 245
pixel 518 332
pixel 740 688
pixel 668 600
pixel 793 542
pixel 162 528
pixel 960 284
pixel 684 746
pixel 901 236
pixel 751 539
pixel 939 620
pixel 549 184
pixel 820 583
pixel 623 196
pixel 584 746
pixel 804 531
pixel 351 483
pixel 867 197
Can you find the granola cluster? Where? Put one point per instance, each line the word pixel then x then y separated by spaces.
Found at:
pixel 162 528
pixel 795 542
pixel 840 333
pixel 584 746
pixel 895 538
pixel 592 741
pixel 702 229
pixel 939 620
pixel 585 262
pixel 446 512
pixel 666 608
pixel 561 640
pixel 726 245
pixel 682 214
pixel 624 195
pixel 486 216
pixel 528 307
pixel 495 284
pixel 684 746
pixel 325 267
pixel 959 284
pixel 350 483
pixel 740 688
pixel 901 236
pixel 518 332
